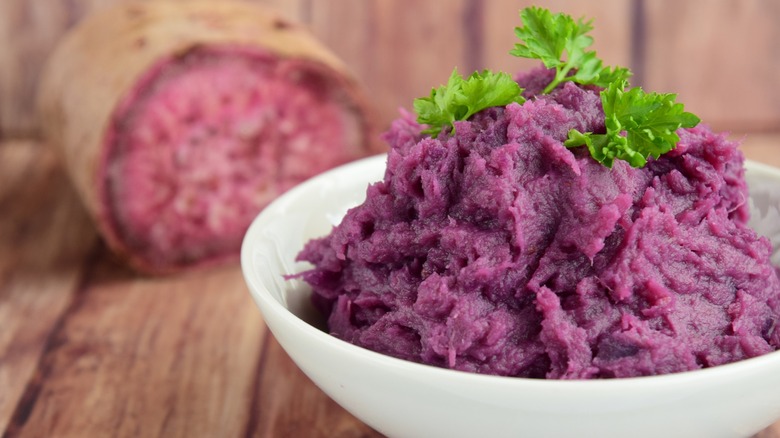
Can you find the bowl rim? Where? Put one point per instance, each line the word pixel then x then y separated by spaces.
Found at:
pixel 268 304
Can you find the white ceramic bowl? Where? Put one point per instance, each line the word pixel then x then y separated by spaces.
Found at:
pixel 405 399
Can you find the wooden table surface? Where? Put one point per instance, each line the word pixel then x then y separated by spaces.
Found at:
pixel 88 348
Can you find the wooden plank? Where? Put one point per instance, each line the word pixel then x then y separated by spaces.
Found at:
pixel 29 31
pixel 173 357
pixel 45 238
pixel 403 48
pixel 346 28
pixel 290 405
pixel 722 59
pixel 296 10
pixel 400 49
pixel 612 31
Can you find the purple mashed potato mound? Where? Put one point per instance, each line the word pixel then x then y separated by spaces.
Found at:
pixel 497 250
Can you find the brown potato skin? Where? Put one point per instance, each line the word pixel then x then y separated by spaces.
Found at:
pixel 102 59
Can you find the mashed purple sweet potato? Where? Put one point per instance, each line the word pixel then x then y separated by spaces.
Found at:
pixel 498 250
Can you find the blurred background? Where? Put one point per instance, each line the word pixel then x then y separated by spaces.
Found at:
pixel 721 56
pixel 143 356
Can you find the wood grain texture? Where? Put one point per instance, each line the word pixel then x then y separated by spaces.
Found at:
pixel 87 348
pixel 45 240
pixel 28 33
pixel 722 59
pixel 173 357
pixel 283 393
pixel 400 48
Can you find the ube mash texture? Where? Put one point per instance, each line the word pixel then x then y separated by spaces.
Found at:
pixel 497 250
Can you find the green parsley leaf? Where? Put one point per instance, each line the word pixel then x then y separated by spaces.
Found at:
pixel 547 37
pixel 639 125
pixel 461 98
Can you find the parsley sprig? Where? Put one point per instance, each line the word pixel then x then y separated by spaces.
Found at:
pixel 461 98
pixel 638 124
pixel 547 37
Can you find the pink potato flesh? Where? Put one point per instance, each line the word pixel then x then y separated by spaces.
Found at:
pixel 209 138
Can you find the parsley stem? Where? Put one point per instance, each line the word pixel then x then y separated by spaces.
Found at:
pixel 551 86
pixel 560 77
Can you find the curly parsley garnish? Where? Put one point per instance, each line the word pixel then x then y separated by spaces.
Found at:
pixel 549 36
pixel 462 98
pixel 638 124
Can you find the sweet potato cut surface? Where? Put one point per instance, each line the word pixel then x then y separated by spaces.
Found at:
pixel 179 122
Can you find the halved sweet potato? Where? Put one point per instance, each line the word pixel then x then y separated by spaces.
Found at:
pixel 179 121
